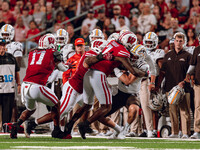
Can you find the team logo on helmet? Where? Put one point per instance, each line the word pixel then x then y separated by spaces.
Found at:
pixel 150 40
pixel 47 41
pixel 98 45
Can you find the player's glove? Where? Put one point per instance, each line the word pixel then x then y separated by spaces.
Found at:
pixel 70 65
pixel 107 56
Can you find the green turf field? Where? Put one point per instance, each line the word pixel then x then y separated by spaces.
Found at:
pixel 47 142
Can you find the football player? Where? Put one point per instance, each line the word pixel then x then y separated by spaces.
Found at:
pixel 41 63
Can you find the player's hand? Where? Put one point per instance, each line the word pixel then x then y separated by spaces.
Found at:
pixel 71 65
pixel 19 89
pixel 108 56
pixel 181 84
pixel 187 78
pixel 151 87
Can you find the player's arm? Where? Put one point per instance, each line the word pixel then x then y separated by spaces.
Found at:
pixel 58 61
pixel 126 79
pixel 90 60
pixel 135 71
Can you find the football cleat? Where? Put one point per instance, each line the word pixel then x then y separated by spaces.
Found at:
pixel 84 128
pixel 14 129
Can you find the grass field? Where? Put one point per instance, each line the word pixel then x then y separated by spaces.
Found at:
pixel 46 142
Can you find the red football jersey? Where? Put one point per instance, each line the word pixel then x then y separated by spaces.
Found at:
pixel 40 66
pixel 117 50
pixel 77 80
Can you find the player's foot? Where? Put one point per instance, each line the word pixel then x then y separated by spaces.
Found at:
pixel 14 129
pixel 68 127
pixel 84 128
pixel 30 125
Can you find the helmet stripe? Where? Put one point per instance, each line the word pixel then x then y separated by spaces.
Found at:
pixel 60 32
pixel 6 28
pixel 149 35
pixel 97 31
pixel 136 48
pixel 174 97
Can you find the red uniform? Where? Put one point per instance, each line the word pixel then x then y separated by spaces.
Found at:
pixel 40 66
pixel 74 60
pixel 117 50
pixel 77 80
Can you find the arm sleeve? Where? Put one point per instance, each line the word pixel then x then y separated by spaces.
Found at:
pixel 57 56
pixel 152 67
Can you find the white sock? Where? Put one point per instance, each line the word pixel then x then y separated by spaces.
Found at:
pixel 117 128
pixel 62 128
pixel 126 127
pixel 145 130
pixel 154 131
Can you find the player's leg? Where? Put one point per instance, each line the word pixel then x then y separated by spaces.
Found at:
pixel 88 94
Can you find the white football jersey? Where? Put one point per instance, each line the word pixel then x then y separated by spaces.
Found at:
pixel 15 48
pixel 155 56
pixel 134 87
pixel 190 49
pixel 67 52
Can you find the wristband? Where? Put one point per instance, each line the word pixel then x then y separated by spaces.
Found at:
pixel 152 83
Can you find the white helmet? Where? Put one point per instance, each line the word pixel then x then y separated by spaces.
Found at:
pixel 150 37
pixel 47 41
pixel 98 45
pixel 142 65
pixel 157 101
pixel 96 33
pixel 175 95
pixel 113 36
pixel 7 32
pixel 61 37
pixel 185 38
pixel 128 39
pixel 139 51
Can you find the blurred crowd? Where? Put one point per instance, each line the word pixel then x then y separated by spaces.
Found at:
pixel 164 17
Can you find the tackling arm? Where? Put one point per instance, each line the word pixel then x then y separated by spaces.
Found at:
pixel 135 71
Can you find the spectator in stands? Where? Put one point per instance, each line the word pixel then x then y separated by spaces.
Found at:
pixel 38 15
pixel 101 18
pixel 49 17
pixel 43 5
pixel 20 4
pixel 61 17
pixel 156 11
pixel 7 14
pixel 139 38
pixel 134 24
pixel 1 19
pixel 122 24
pixel 192 40
pixel 16 12
pixel 175 27
pixel 141 6
pixel 26 16
pixel 164 8
pixel 135 4
pixel 173 9
pixel 56 27
pixel 115 19
pixel 195 11
pixel 90 21
pixel 146 21
pixel 189 24
pixel 163 32
pixel 85 35
pixel 183 8
pixel 32 43
pixel 30 7
pixel 125 8
pixel 72 35
pixel 20 30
